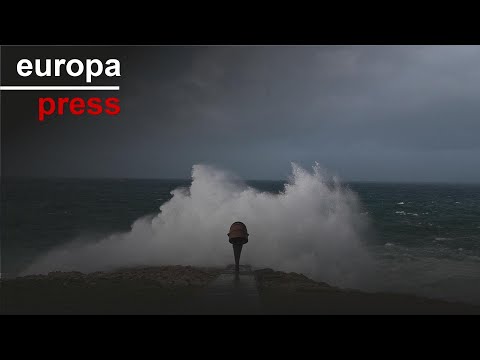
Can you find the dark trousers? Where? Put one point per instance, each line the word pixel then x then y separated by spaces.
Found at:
pixel 237 250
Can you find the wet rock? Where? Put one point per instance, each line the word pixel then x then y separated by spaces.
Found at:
pixel 267 278
pixel 162 276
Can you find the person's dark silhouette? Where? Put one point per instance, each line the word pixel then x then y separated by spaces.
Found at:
pixel 238 236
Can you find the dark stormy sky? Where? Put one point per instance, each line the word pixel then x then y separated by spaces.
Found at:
pixel 380 113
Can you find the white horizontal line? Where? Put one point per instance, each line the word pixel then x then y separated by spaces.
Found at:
pixel 82 87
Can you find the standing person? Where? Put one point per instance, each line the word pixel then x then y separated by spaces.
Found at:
pixel 238 236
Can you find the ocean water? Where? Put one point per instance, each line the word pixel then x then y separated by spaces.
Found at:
pixel 424 238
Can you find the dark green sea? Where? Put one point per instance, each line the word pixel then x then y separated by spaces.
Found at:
pixel 425 238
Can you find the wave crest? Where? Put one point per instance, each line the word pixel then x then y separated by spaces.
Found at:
pixel 314 226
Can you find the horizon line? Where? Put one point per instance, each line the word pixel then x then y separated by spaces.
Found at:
pixel 345 181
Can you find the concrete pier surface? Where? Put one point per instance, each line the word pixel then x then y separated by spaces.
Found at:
pixel 231 293
pixel 176 289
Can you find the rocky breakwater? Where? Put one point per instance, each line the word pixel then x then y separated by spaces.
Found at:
pixel 279 280
pixel 161 276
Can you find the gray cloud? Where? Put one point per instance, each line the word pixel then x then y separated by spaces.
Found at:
pixel 402 113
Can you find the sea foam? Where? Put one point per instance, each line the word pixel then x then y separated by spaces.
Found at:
pixel 314 226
